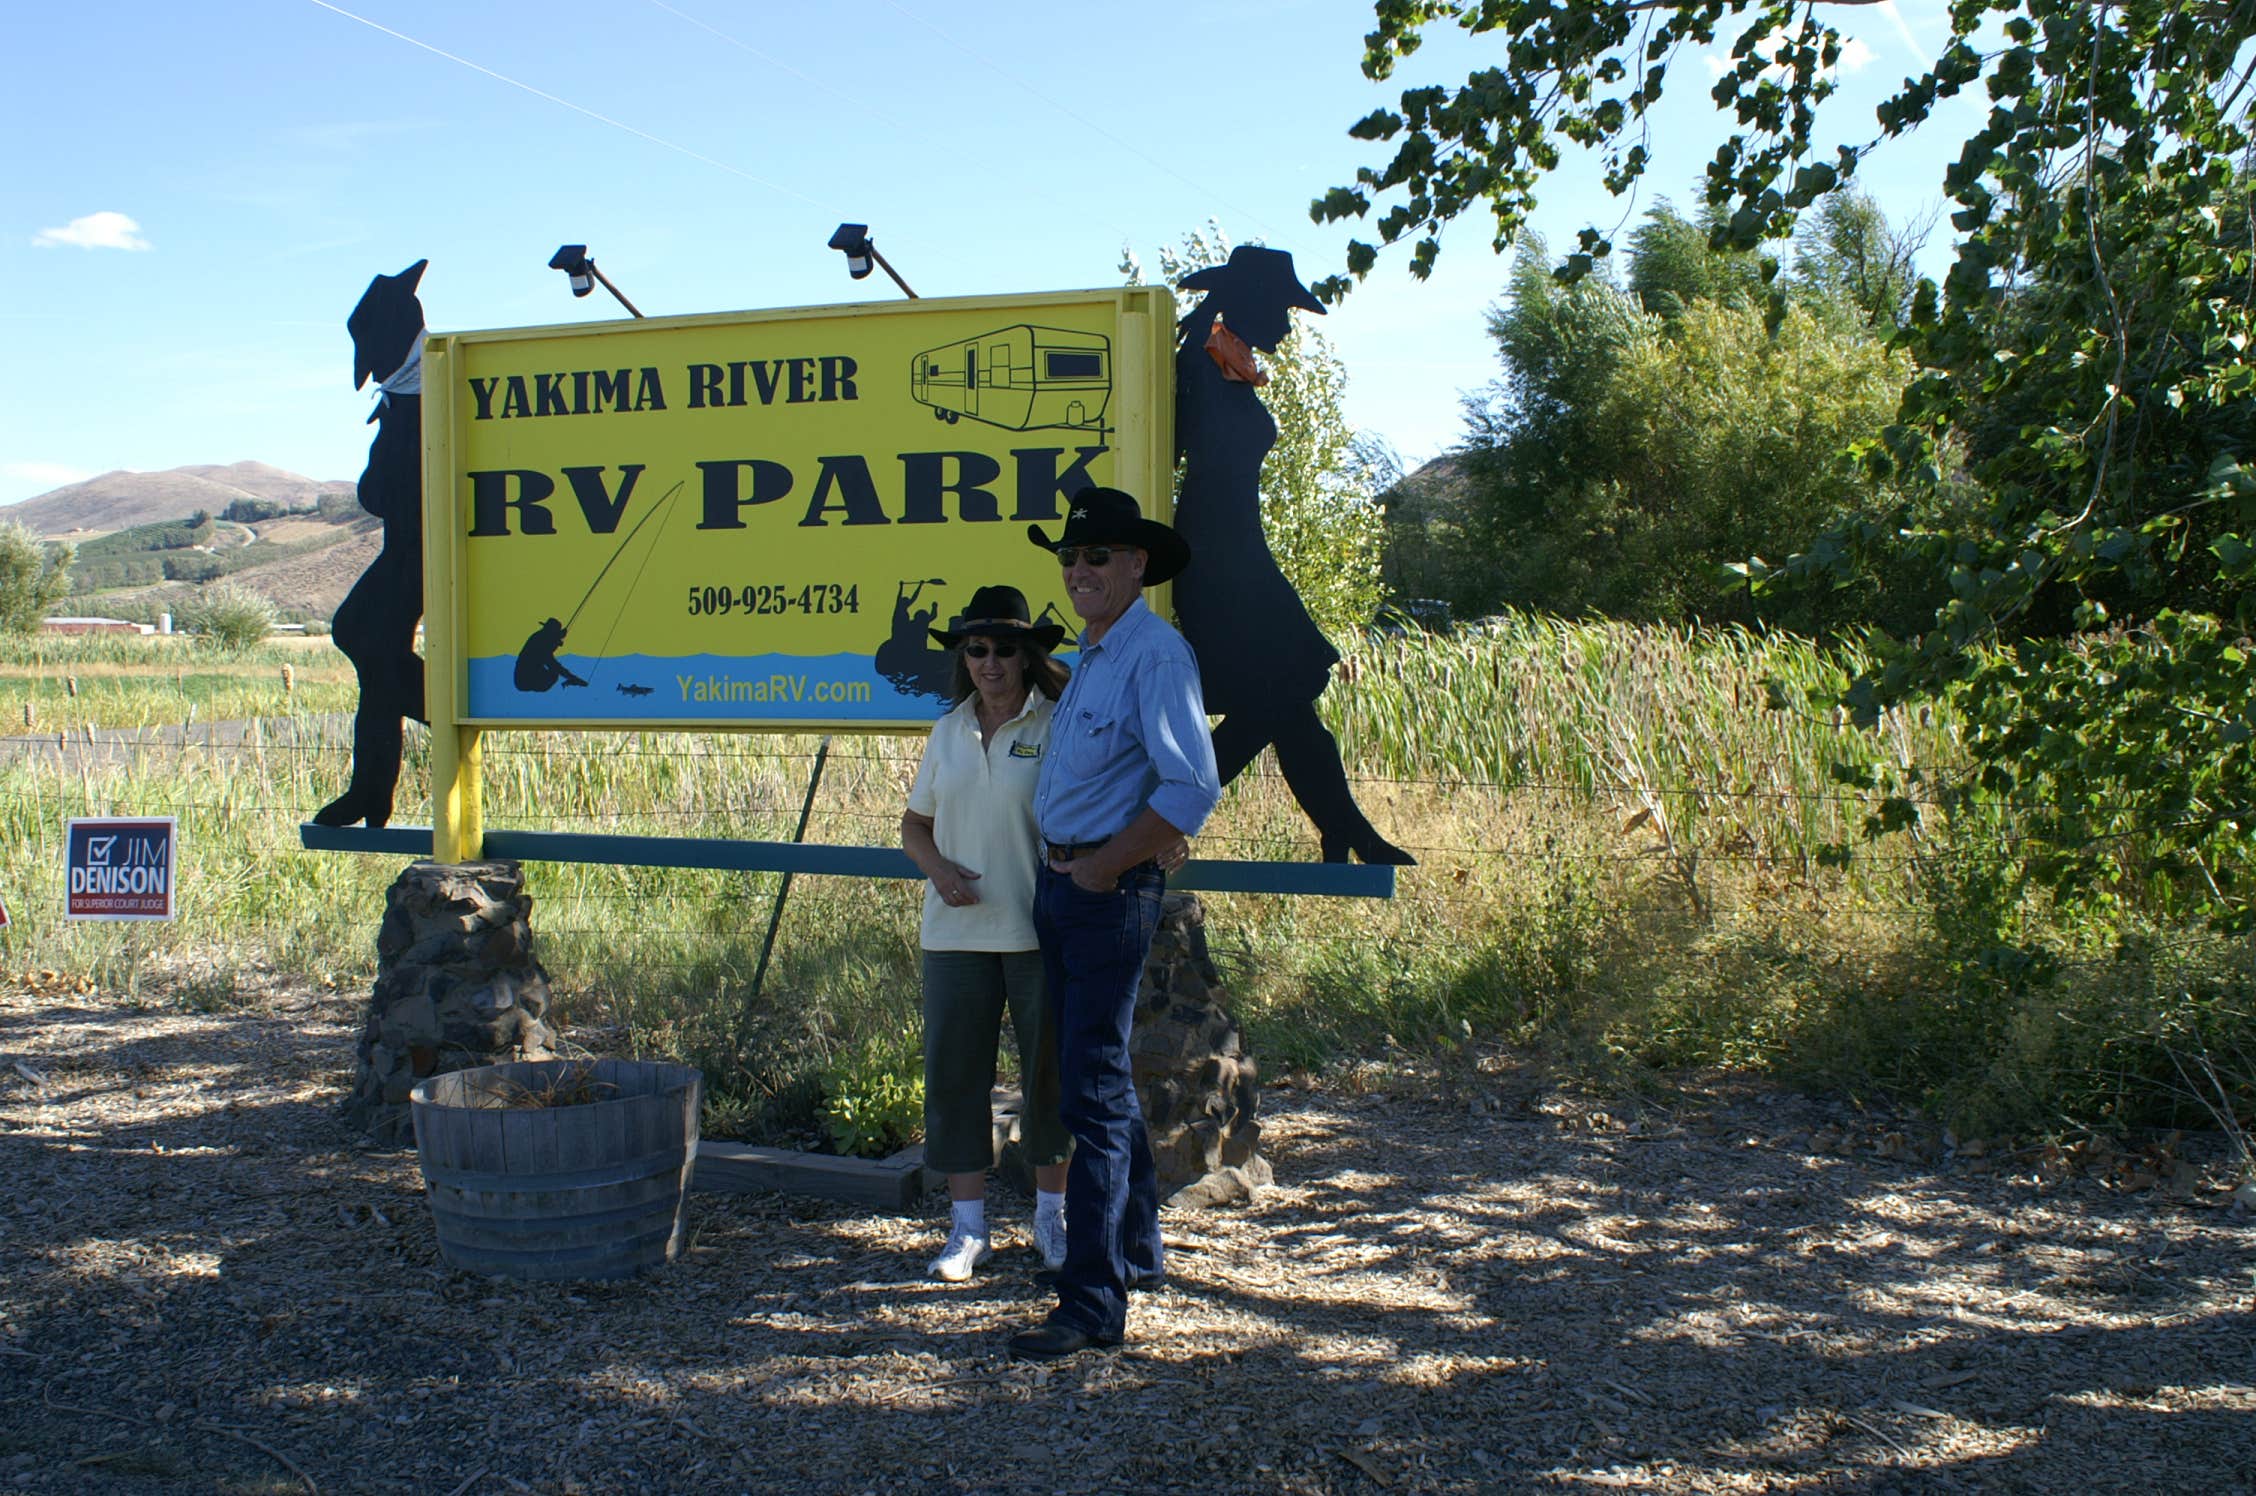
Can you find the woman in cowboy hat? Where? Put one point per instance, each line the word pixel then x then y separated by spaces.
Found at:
pixel 969 828
pixel 1263 660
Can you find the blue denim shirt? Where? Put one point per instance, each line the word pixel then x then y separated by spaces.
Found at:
pixel 1129 733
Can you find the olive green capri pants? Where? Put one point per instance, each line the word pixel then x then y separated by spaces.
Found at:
pixel 964 996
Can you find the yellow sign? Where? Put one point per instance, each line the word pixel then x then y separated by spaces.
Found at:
pixel 753 519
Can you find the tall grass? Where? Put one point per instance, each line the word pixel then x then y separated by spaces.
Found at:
pixel 1671 721
pixel 1628 863
pixel 69 682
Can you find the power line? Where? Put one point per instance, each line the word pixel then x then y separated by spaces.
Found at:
pixel 658 140
pixel 1129 146
pixel 860 103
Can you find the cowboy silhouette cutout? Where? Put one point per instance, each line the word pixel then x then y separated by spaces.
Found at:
pixel 375 625
pixel 1261 657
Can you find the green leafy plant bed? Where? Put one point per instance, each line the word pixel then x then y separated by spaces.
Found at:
pixel 873 1095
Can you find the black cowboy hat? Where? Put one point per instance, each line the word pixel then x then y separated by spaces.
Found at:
pixel 1258 275
pixel 998 612
pixel 1106 516
pixel 385 324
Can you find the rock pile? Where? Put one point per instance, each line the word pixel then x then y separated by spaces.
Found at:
pixel 1197 1084
pixel 456 987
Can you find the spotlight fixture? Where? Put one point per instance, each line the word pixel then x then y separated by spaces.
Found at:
pixel 580 271
pixel 853 241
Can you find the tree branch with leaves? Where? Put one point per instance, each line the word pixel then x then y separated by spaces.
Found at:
pixel 2087 351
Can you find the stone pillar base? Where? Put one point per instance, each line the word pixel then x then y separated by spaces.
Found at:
pixel 1198 1085
pixel 1195 1080
pixel 456 987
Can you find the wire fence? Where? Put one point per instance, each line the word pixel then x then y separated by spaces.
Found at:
pixel 82 748
pixel 254 781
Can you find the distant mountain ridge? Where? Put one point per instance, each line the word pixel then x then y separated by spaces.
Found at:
pixel 136 557
pixel 121 500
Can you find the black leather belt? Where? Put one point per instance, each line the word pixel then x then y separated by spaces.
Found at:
pixel 1067 851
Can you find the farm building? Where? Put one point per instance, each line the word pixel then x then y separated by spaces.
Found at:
pixel 90 625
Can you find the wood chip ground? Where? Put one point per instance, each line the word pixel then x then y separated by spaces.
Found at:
pixel 1475 1284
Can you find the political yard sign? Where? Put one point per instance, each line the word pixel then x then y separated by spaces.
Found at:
pixel 753 519
pixel 120 869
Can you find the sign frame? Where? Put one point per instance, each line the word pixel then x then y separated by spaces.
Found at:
pixel 1139 457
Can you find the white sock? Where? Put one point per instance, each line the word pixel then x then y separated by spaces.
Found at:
pixel 969 1216
pixel 1048 1203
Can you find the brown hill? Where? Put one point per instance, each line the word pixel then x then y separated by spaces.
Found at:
pixel 305 584
pixel 259 481
pixel 120 500
pixel 319 581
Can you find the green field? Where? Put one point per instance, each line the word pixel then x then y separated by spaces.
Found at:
pixel 1629 865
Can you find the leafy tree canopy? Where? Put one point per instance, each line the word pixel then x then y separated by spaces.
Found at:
pixel 34 576
pixel 2088 347
pixel 1641 437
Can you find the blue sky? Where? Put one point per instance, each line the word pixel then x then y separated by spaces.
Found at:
pixel 195 196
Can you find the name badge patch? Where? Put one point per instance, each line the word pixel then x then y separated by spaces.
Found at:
pixel 1026 750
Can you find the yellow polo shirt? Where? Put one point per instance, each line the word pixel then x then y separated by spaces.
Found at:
pixel 981 801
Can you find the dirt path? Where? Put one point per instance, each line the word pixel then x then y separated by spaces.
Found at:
pixel 205 1286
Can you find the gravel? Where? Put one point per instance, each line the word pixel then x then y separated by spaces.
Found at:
pixel 1463 1281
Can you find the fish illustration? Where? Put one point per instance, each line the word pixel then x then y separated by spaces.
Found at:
pixel 634 690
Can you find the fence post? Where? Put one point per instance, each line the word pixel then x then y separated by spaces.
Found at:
pixel 775 917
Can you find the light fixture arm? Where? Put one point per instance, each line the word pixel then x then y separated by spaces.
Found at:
pixel 614 290
pixel 882 264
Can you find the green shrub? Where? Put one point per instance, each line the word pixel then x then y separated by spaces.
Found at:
pixel 229 617
pixel 193 566
pixel 33 577
pixel 873 1094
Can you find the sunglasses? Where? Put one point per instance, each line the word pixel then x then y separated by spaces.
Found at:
pixel 1095 555
pixel 1000 650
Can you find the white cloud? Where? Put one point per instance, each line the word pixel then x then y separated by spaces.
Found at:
pixel 95 231
pixel 53 474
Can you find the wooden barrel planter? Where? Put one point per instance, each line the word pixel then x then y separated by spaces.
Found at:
pixel 559 1168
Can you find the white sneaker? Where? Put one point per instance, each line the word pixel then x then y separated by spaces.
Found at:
pixel 963 1253
pixel 1049 1240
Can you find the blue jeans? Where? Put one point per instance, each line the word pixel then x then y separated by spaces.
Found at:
pixel 1093 951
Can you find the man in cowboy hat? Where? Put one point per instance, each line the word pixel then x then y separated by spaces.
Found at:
pixel 1128 773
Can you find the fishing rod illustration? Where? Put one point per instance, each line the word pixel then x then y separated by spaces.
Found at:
pixel 538 668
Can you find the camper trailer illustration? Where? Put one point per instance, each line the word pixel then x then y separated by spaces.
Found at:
pixel 1020 378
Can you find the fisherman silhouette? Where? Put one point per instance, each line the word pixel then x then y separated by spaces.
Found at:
pixel 375 625
pixel 1262 659
pixel 907 658
pixel 537 665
